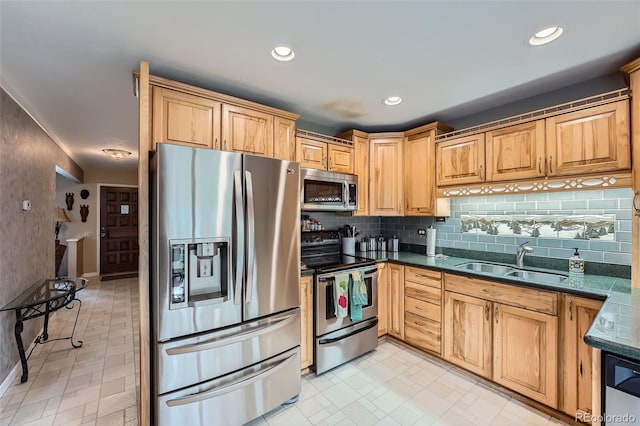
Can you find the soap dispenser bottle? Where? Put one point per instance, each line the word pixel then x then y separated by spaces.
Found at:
pixel 576 263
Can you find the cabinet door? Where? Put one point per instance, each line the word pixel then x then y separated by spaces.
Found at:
pixel 516 152
pixel 183 119
pixel 460 161
pixel 386 177
pixel 306 312
pixel 361 169
pixel 396 300
pixel 311 153
pixel 525 352
pixel 467 333
pixel 577 357
pixel 245 130
pixel 340 158
pixel 383 299
pixel 589 141
pixel 284 144
pixel 419 175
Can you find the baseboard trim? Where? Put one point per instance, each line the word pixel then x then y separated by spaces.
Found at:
pixel 90 274
pixel 17 369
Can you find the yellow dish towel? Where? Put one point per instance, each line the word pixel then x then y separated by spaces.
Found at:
pixel 341 295
pixel 359 296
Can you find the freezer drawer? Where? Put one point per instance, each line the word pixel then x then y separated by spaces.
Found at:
pixel 236 398
pixel 183 362
pixel 338 347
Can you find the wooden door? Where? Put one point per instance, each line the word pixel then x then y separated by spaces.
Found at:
pixel 516 152
pixel 311 153
pixel 246 130
pixel 306 312
pixel 467 332
pixel 577 357
pixel 284 144
pixel 118 230
pixel 460 161
pixel 525 352
pixel 396 300
pixel 385 176
pixel 361 169
pixel 592 140
pixel 419 175
pixel 340 158
pixel 383 299
pixel 184 119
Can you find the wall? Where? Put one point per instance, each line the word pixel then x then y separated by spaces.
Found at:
pixel 28 159
pixel 608 201
pixel 92 179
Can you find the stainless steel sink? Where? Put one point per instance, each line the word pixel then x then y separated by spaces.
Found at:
pixel 487 268
pixel 536 276
pixel 513 273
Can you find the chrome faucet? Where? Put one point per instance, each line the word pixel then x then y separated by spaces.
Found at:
pixel 522 250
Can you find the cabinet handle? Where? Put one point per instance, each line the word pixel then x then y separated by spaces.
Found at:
pixel 635 205
pixel 581 372
pixel 570 309
pixel 540 165
pixel 481 172
pixel 422 276
pixel 486 311
pixel 493 293
pixel 225 144
pixel 497 313
pixel 551 164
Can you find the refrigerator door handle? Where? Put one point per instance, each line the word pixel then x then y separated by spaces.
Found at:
pixel 251 238
pixel 239 243
pixel 268 327
pixel 242 382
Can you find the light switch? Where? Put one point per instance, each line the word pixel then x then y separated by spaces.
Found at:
pixel 26 205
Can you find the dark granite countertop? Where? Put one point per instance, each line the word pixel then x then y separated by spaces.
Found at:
pixel 616 328
pixel 307 271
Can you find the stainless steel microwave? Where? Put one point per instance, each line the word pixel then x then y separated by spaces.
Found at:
pixel 328 191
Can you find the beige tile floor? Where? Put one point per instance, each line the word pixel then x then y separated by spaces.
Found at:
pixel 96 384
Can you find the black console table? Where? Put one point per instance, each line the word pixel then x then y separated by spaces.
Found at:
pixel 40 299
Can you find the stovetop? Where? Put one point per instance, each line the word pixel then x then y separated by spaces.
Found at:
pixel 336 262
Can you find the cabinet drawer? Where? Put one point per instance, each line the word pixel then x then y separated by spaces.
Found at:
pixel 514 295
pixel 422 292
pixel 422 332
pixel 424 309
pixel 423 276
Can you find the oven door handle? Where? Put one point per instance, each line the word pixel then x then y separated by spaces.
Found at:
pixel 374 323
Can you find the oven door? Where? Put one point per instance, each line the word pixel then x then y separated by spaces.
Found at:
pixel 325 317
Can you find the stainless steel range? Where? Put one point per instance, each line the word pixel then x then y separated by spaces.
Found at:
pixel 339 339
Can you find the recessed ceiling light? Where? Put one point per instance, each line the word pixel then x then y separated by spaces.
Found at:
pixel 545 36
pixel 392 100
pixel 282 53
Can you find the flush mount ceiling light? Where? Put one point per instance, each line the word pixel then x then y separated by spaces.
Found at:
pixel 545 36
pixel 283 53
pixel 392 100
pixel 117 154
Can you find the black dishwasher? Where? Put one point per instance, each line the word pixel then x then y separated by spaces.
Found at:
pixel 622 391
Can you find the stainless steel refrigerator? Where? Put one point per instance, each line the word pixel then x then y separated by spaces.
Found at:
pixel 225 273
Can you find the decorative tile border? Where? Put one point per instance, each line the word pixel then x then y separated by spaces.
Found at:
pixel 583 227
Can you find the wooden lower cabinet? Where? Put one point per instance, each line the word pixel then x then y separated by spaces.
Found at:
pixel 396 300
pixel 306 313
pixel 383 299
pixel 422 308
pixel 467 333
pixel 577 384
pixel 525 352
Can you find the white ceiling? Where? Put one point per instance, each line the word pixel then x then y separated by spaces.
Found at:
pixel 69 63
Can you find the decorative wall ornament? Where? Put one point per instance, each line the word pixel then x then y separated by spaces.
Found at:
pixel 84 194
pixel 69 200
pixel 84 212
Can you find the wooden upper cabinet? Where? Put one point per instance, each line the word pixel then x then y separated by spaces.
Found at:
pixel 525 352
pixel 460 160
pixel 311 153
pixel 467 333
pixel 419 176
pixel 340 158
pixel 284 143
pixel 184 119
pixel 516 152
pixel 385 176
pixel 361 169
pixel 592 140
pixel 246 130
pixel 577 357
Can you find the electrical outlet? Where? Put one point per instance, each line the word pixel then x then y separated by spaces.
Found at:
pixel 441 219
pixel 89 234
pixel 422 232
